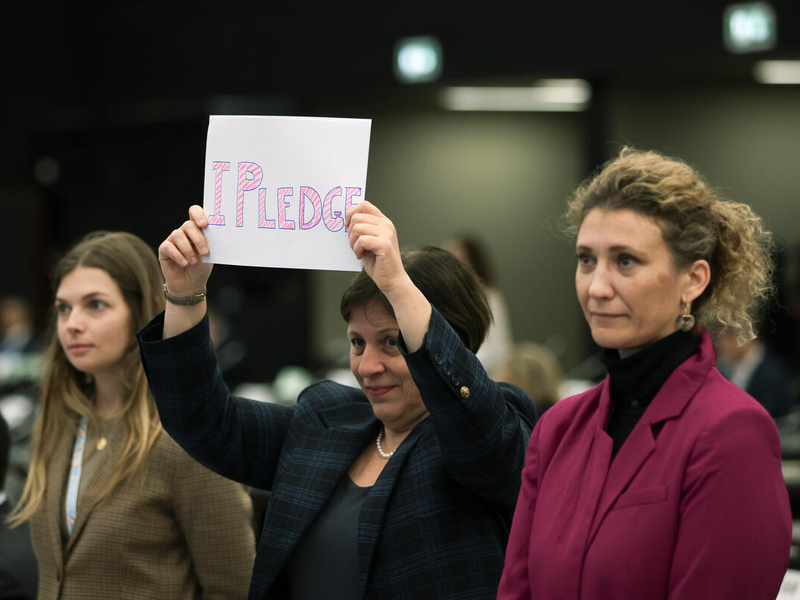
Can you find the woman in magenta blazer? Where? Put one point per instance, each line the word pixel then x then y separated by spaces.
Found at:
pixel 664 481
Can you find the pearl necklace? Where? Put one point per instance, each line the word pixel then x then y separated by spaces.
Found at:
pixel 386 455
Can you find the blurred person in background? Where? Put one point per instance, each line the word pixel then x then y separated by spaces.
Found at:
pixel 17 328
pixel 116 508
pixel 758 371
pixel 20 372
pixel 663 481
pixel 18 571
pixel 500 335
pixel 535 369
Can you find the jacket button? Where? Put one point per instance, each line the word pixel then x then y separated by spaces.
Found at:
pixel 464 391
pixel 455 381
pixel 438 359
pixel 446 370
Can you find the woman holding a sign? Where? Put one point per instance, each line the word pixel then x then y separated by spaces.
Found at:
pixel 664 481
pixel 117 509
pixel 401 489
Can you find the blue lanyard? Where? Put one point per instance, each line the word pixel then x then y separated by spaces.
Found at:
pixel 75 475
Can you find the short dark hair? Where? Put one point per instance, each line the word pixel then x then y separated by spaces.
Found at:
pixel 448 283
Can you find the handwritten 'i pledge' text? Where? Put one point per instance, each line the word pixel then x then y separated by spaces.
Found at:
pixel 312 208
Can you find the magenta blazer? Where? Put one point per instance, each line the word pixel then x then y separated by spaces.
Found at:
pixel 693 507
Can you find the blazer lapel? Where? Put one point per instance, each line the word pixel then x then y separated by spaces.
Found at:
pixel 373 512
pixel 105 467
pixel 320 458
pixel 679 388
pixel 55 488
pixel 633 454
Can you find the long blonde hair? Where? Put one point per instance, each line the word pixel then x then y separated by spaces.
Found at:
pixel 67 392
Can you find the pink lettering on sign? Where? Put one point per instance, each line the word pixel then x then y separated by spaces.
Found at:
pixel 250 177
pixel 218 167
pixel 316 205
pixel 311 209
pixel 263 222
pixel 333 219
pixel 283 204
pixel 349 194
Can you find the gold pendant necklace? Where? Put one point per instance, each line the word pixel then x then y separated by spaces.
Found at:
pixel 101 443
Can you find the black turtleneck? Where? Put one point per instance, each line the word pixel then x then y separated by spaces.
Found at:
pixel 635 380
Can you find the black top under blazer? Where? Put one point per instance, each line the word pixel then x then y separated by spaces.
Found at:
pixel 436 522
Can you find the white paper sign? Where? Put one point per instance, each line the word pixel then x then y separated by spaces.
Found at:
pixel 277 190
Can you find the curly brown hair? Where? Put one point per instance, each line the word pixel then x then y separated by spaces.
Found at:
pixel 696 223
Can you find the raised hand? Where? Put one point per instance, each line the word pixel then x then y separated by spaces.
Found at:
pixel 374 240
pixel 181 255
pixel 184 271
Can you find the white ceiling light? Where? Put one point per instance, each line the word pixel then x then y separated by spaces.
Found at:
pixel 749 27
pixel 545 95
pixel 777 71
pixel 418 59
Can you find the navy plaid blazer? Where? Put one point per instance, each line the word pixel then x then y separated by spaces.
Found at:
pixel 436 522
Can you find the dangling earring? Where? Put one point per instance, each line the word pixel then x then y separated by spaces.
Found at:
pixel 686 321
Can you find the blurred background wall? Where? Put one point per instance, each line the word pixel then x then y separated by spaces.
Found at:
pixel 105 109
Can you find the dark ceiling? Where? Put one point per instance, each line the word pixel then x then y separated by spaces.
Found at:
pixel 60 54
pixel 72 67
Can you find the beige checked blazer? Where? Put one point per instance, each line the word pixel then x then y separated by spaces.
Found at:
pixel 179 532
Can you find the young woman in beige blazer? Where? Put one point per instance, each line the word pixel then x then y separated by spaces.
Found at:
pixel 117 509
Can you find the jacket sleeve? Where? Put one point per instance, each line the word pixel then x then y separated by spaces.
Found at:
pixel 514 583
pixel 735 523
pixel 215 515
pixel 238 438
pixel 482 426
